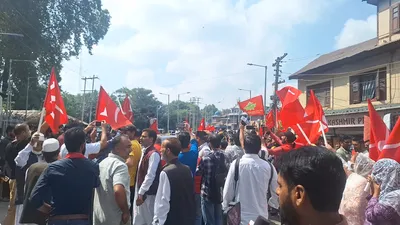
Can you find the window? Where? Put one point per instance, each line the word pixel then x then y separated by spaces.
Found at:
pixel 323 92
pixel 395 19
pixel 369 85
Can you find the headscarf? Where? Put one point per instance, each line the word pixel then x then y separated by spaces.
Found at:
pixel 386 173
pixel 363 165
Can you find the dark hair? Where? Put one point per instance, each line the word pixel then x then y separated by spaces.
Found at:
pixel 50 157
pixel 174 145
pixel 236 139
pixel 9 129
pixel 71 125
pixel 130 128
pixel 359 140
pixel 151 133
pixel 19 128
pixel 184 138
pixel 224 144
pixel 252 143
pixel 74 138
pixel 215 140
pixel 201 135
pixel 319 171
pixel 345 137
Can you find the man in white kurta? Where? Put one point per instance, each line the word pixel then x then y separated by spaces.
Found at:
pixel 143 214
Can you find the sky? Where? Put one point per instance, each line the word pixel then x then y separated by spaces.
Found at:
pixel 203 46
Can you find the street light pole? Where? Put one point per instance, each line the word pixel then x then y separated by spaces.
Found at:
pixel 167 111
pixel 158 108
pixel 27 98
pixel 177 114
pixel 265 80
pixel 240 89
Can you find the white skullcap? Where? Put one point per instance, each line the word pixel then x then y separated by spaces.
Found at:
pixel 51 145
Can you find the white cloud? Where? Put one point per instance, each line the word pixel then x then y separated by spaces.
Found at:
pixel 201 46
pixel 356 31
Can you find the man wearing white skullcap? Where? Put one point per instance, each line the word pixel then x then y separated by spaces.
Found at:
pixel 31 154
pixel 29 214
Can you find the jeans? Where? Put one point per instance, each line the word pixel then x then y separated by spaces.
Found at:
pixel 68 222
pixel 198 209
pixel 212 213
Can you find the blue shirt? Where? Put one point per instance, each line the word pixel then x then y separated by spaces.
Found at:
pixel 190 158
pixel 67 185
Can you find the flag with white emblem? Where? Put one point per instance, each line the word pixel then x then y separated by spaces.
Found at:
pixel 108 111
pixel 56 115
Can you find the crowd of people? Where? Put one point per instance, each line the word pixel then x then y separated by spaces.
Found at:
pixel 82 176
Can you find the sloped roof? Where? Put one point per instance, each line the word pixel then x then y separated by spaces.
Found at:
pixel 337 55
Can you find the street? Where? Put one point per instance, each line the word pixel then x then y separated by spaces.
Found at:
pixel 3 210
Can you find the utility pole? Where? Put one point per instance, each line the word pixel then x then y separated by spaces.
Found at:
pixel 278 81
pixel 84 97
pixel 92 97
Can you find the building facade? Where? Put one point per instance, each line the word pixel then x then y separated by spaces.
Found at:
pixel 343 80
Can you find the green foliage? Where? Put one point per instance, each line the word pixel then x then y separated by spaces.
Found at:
pixel 54 30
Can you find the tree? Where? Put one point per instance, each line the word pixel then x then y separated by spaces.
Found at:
pixel 73 105
pixel 208 111
pixel 53 31
pixel 144 105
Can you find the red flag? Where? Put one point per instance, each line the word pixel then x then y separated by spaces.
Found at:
pixel 379 132
pixel 288 95
pixel 367 128
pixel 269 120
pixel 202 125
pixel 108 111
pixel 127 108
pixel 292 114
pixel 392 147
pixel 154 125
pixel 210 128
pixel 253 106
pixel 56 115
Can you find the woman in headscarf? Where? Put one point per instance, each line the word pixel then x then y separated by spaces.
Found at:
pixel 354 201
pixel 384 205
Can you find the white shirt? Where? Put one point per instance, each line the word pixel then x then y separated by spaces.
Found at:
pixel 154 160
pixel 254 173
pixel 204 150
pixel 162 200
pixel 91 148
pixel 23 156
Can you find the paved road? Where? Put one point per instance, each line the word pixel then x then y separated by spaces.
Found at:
pixel 3 210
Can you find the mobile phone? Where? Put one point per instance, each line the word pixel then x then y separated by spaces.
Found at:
pixel 98 123
pixel 244 121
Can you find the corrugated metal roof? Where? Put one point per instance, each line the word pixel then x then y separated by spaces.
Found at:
pixel 338 55
pixel 361 109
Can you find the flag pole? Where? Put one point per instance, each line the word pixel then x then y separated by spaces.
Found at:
pixel 323 133
pixel 304 134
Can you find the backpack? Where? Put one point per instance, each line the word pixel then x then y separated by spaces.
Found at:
pixel 219 173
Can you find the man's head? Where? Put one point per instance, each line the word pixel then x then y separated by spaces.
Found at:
pixel 201 137
pixel 170 149
pixel 358 144
pixel 51 149
pixel 75 140
pixel 252 143
pixel 311 181
pixel 345 142
pixel 288 137
pixel 122 146
pixel 148 138
pixel 184 138
pixel 224 144
pixel 10 131
pixel 130 131
pixel 215 141
pixel 39 139
pixel 22 131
